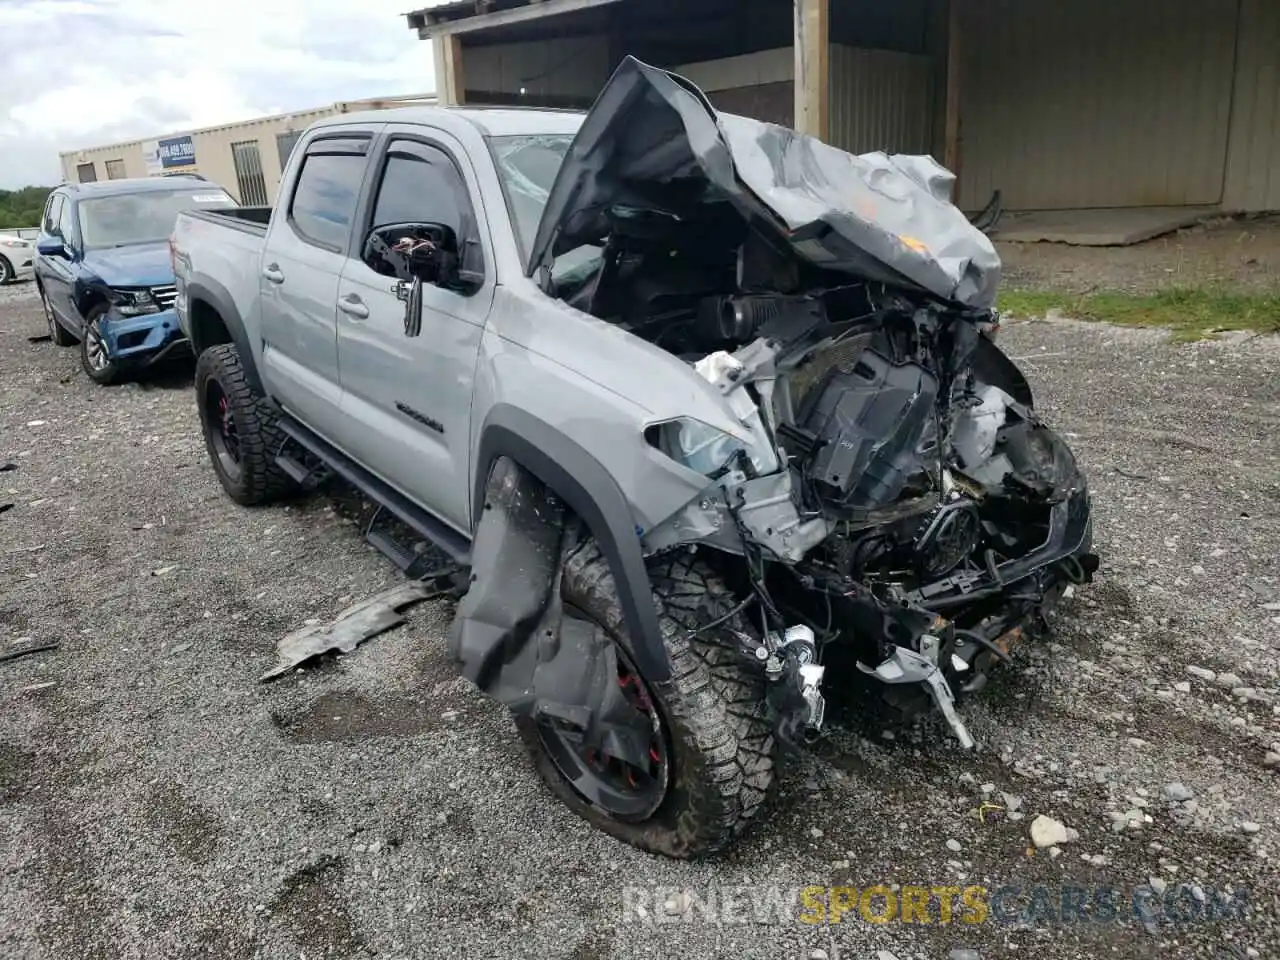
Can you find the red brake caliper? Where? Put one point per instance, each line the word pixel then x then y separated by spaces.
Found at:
pixel 632 684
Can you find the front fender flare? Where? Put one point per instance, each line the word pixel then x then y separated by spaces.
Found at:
pixel 583 483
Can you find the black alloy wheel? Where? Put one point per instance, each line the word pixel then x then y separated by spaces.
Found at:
pixel 624 790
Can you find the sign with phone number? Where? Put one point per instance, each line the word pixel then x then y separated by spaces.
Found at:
pixel 177 152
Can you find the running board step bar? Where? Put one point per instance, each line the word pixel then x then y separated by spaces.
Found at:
pixel 416 564
pixel 308 478
pixel 455 545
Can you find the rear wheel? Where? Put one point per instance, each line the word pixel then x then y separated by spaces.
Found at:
pixel 57 332
pixel 6 271
pixel 711 757
pixel 240 428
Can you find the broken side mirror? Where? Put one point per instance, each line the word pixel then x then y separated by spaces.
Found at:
pixel 422 252
pixel 413 308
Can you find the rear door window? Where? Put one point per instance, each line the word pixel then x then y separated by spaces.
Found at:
pixel 324 199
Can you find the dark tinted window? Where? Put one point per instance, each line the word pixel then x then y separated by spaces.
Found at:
pixel 325 198
pixel 66 229
pixel 51 213
pixel 421 185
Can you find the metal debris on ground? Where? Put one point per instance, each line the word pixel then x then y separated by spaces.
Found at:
pixel 351 627
pixel 27 651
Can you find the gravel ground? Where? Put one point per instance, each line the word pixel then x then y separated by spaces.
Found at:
pixel 1237 253
pixel 156 801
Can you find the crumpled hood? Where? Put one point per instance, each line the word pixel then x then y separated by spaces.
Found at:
pixel 652 137
pixel 136 265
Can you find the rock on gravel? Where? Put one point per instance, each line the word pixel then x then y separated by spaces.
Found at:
pixel 1048 832
pixel 1176 792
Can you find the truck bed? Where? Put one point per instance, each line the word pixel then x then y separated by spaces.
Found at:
pixel 248 219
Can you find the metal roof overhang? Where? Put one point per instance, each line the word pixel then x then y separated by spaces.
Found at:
pixel 469 16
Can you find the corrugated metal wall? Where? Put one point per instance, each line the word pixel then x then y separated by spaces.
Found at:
pixel 880 100
pixel 563 71
pixel 1096 103
pixel 1253 154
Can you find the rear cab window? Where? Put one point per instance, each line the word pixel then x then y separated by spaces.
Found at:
pixel 323 205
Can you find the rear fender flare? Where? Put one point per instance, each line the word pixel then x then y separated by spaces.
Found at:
pixel 582 482
pixel 215 295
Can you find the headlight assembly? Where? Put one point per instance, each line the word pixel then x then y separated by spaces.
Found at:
pixel 133 303
pixel 703 448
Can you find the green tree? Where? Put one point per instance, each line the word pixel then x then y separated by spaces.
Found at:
pixel 22 208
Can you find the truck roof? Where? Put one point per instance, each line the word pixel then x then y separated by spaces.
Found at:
pixel 490 121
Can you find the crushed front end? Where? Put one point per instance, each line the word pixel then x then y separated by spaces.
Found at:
pixel 889 491
pixel 921 517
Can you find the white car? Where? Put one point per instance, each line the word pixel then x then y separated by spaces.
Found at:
pixel 15 258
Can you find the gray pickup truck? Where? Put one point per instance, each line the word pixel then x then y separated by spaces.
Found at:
pixel 709 412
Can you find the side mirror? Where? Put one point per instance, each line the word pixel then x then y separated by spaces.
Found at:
pixel 51 247
pixel 426 252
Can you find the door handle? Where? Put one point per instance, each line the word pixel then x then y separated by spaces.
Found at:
pixel 273 273
pixel 353 306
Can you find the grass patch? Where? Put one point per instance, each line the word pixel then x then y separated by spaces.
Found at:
pixel 1191 313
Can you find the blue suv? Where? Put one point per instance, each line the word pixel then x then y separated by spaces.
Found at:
pixel 104 272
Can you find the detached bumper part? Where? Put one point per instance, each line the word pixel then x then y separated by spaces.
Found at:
pixel 908 666
pixel 147 338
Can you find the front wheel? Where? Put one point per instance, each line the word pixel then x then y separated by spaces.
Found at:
pixel 711 759
pixel 240 428
pixel 93 349
pixel 6 271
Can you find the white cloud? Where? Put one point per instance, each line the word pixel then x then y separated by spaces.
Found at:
pixel 79 73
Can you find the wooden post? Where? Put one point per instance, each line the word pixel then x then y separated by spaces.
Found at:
pixel 955 71
pixel 450 87
pixel 813 68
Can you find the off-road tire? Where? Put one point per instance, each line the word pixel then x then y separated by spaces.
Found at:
pixel 713 709
pixel 114 370
pixel 60 335
pixel 259 479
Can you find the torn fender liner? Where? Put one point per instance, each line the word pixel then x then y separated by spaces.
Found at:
pixel 653 141
pixel 515 560
pixel 350 628
pixel 512 637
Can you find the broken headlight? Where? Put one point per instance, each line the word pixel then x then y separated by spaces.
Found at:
pixel 133 303
pixel 704 448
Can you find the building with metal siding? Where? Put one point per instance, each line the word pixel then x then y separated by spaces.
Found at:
pixel 1058 104
pixel 246 158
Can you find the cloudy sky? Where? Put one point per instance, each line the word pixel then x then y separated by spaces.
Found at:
pixel 78 73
